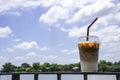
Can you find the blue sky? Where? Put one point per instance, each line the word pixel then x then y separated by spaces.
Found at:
pixel 48 30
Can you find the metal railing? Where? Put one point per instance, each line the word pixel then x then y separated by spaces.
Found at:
pixel 16 75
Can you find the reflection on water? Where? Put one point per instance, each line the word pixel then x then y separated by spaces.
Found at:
pixel 27 77
pixel 48 77
pixel 101 77
pixel 5 77
pixel 63 77
pixel 72 77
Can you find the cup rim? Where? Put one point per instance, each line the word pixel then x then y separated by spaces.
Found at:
pixel 81 38
pixel 89 36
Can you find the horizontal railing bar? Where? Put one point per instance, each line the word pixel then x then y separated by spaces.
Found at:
pixel 104 73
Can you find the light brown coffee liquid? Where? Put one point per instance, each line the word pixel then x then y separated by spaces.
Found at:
pixel 88 51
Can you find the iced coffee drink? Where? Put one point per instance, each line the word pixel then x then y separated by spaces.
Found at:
pixel 88 51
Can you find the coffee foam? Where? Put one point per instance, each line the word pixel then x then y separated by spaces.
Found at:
pixel 88 44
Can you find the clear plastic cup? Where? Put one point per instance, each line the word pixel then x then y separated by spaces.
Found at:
pixel 88 51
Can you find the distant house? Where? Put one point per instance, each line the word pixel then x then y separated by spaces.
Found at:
pixel 27 69
pixel 75 69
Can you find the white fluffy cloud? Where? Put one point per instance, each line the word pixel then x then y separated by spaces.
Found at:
pixel 67 51
pixel 26 45
pixel 32 54
pixel 75 31
pixel 111 57
pixel 1 58
pixel 78 11
pixel 42 58
pixel 54 14
pixel 98 8
pixel 44 48
pixel 19 58
pixel 60 10
pixel 5 32
pixel 72 10
pixel 28 57
pixel 9 49
pixel 6 5
pixel 64 50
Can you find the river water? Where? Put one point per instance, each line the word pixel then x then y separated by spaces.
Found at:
pixel 63 77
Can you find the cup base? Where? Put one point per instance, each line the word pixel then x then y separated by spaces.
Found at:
pixel 89 66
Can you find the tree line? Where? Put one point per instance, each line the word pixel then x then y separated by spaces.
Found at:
pixel 103 66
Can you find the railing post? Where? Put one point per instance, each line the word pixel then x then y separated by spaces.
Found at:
pixel 117 77
pixel 35 76
pixel 58 76
pixel 15 76
pixel 85 76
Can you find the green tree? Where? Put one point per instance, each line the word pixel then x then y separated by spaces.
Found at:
pixel 102 66
pixel 46 64
pixel 59 67
pixel 116 66
pixel 36 66
pixel 19 69
pixel 67 67
pixel 54 67
pixel 105 66
pixel 43 68
pixel 8 67
pixel 109 63
pixel 25 65
pixel 46 67
pixel 109 66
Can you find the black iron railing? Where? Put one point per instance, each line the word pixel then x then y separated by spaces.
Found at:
pixel 16 75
